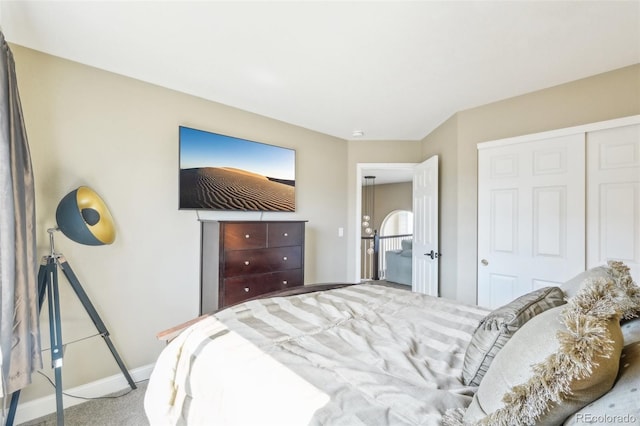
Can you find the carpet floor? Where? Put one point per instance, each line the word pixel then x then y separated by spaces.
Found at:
pixel 123 408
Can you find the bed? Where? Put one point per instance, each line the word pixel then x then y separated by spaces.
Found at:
pixel 371 354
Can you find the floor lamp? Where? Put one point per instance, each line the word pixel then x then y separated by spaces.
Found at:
pixel 84 218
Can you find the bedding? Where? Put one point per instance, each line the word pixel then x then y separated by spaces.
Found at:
pixel 363 354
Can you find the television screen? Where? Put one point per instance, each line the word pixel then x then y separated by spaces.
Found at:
pixel 219 172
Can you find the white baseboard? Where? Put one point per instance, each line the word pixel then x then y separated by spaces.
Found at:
pixel 47 405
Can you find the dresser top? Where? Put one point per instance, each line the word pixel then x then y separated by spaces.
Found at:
pixel 253 221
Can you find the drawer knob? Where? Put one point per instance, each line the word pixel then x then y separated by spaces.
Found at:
pixel 285 282
pixel 285 234
pixel 284 258
pixel 246 289
pixel 247 236
pixel 246 262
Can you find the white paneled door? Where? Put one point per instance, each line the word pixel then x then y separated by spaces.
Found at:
pixel 531 216
pixel 613 197
pixel 425 228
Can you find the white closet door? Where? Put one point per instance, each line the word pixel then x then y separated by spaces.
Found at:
pixel 531 216
pixel 613 198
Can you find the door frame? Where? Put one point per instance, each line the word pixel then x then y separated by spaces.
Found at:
pixel 361 170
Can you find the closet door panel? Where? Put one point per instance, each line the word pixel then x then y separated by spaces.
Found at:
pixel 613 197
pixel 504 223
pixel 550 221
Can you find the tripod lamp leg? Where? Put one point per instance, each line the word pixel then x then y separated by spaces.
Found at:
pixel 55 333
pixel 95 317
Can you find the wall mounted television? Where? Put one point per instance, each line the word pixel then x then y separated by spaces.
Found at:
pixel 219 172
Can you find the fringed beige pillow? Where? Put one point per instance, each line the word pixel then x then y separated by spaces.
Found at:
pixel 621 405
pixel 572 287
pixel 559 361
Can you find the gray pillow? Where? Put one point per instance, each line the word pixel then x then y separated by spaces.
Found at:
pixel 496 329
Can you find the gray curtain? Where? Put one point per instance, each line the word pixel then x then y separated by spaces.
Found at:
pixel 19 329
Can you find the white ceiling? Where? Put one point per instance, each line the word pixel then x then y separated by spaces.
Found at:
pixel 395 70
pixel 390 173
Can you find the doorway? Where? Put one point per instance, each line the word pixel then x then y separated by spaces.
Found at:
pixel 385 173
pixel 425 242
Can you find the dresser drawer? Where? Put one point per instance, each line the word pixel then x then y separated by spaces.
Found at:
pixel 243 262
pixel 284 258
pixel 242 236
pixel 282 234
pixel 288 279
pixel 241 288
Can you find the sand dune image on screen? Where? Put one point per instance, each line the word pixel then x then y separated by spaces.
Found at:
pixel 226 188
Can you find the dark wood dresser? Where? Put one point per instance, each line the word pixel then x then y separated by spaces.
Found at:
pixel 243 259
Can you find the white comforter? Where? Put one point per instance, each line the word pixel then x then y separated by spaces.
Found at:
pixel 358 355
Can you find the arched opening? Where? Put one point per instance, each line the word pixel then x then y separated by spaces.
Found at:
pixel 398 222
pixel 396 236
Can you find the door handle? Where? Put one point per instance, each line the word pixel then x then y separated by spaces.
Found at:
pixel 433 255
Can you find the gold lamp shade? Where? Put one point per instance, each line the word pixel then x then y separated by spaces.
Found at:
pixel 84 218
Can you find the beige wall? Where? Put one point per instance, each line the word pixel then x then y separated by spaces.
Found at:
pixel 120 137
pixel 391 197
pixel 602 97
